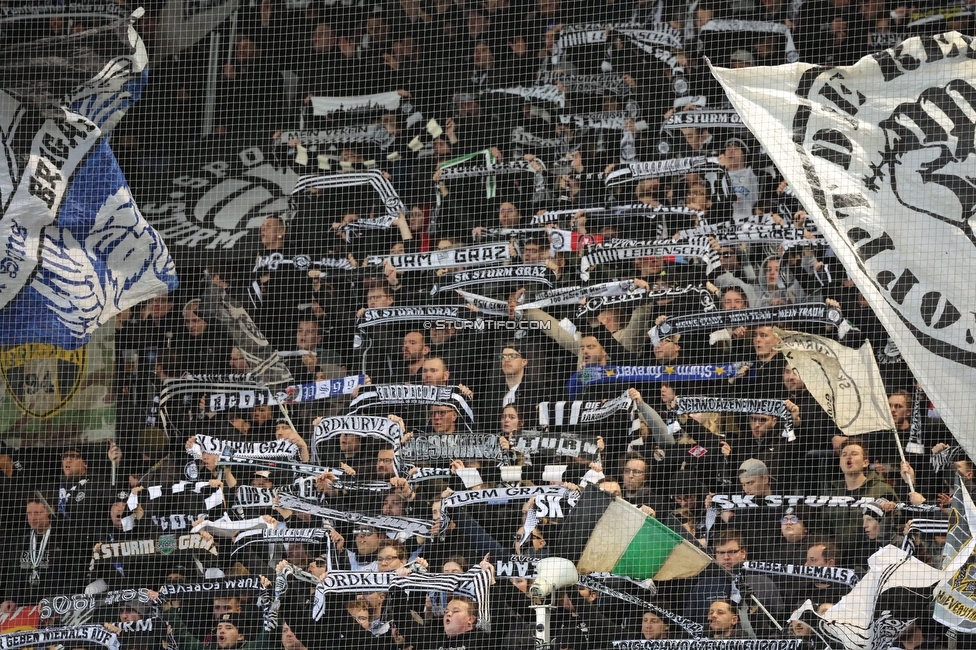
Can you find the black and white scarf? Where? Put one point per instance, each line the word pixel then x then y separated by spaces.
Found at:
pixel 374 134
pixel 179 590
pixel 705 299
pixel 372 178
pixel 447 258
pixel 657 169
pixel 610 120
pixel 695 630
pixel 78 609
pixel 275 261
pixel 915 444
pixel 392 315
pixel 812 312
pixel 833 574
pixel 274 449
pixel 404 394
pixel 316 390
pixel 735 501
pixel 222 394
pixel 775 407
pixel 449 446
pixel 704 119
pixel 503 495
pixel 617 250
pixel 946 457
pixel 378 427
pixel 709 644
pixel 520 273
pixel 755 27
pixel 573 295
pixel 566 443
pixel 279 536
pixel 405 525
pixel 165 545
pixel 563 414
pixel 745 233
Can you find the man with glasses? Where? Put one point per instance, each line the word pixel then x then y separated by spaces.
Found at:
pixel 716 584
pixel 510 385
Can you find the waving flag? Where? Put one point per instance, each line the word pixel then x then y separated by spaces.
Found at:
pixel 74 248
pixel 603 534
pixel 955 599
pixel 883 157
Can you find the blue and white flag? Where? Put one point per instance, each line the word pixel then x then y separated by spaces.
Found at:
pixel 74 248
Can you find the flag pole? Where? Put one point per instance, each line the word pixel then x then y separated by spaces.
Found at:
pixel 901 453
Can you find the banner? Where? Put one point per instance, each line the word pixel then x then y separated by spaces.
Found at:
pixel 396 315
pixel 955 597
pixel 282 449
pixel 562 414
pixel 874 154
pixel 618 250
pixel 79 608
pixel 710 644
pixel 381 428
pixel 518 273
pixel 704 119
pixel 165 545
pixel 74 248
pixel 179 589
pixel 845 382
pixel 63 636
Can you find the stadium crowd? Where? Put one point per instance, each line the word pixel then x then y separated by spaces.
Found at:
pixel 538 137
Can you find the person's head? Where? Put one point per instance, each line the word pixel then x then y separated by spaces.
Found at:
pixel 534 252
pixel 38 515
pixel 764 342
pixel 391 554
pixel 367 540
pixel 435 372
pixel 262 479
pixel 871 521
pixel 821 554
pixel 378 296
pixel 456 564
pixel 730 549
pixel 854 459
pixel 116 512
pixel 394 505
pixel 349 444
pixel 799 629
pixel 323 38
pixel 128 613
pixel 734 299
pixel 460 616
pixel 730 258
pixel 754 477
pixel 508 215
pixel 226 605
pixel 736 152
pixel 359 611
pixel 73 463
pixel 634 471
pixel 443 418
pixel 646 190
pixel 762 426
pixel 384 464
pixel 511 420
pixel 261 414
pixel 237 361
pixel 195 325
pixel 272 233
pixel 771 274
pixel 722 619
pixel 901 411
pixel 441 335
pixel 667 350
pixel 792 526
pixel 288 639
pixel 307 336
pixel 318 566
pixel 228 634
pixel 512 361
pixel 415 347
pixel 792 380
pixel 653 627
pixel 592 352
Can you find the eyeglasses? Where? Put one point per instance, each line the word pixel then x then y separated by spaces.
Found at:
pixel 386 558
pixel 365 532
pixel 633 471
pixel 717 553
pixel 728 254
pixel 790 519
pixel 509 356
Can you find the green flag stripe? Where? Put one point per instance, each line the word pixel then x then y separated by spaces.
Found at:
pixel 648 550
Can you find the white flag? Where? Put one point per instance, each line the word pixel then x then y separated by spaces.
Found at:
pixel 955 599
pixel 886 600
pixel 883 157
pixel 844 381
